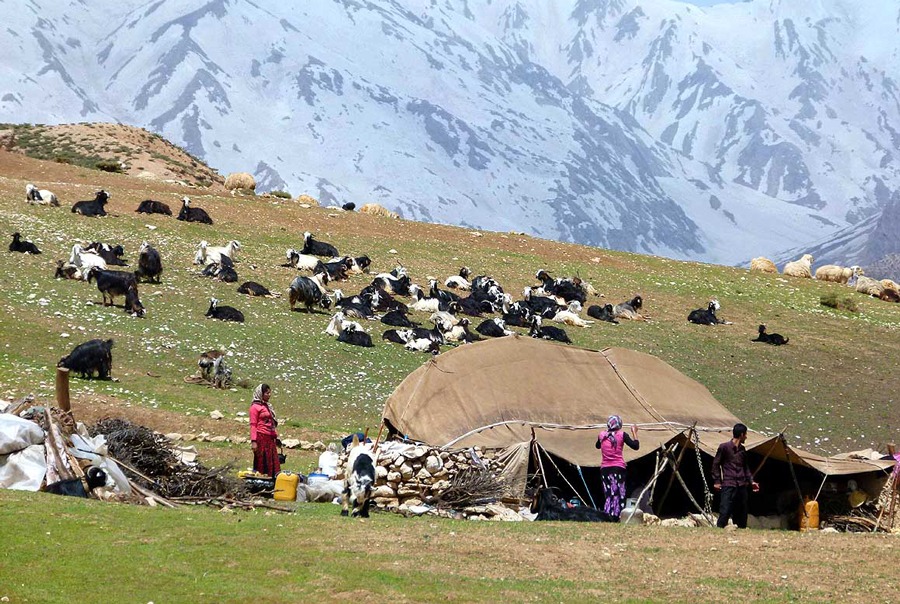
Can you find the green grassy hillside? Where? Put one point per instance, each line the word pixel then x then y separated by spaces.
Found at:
pixel 835 386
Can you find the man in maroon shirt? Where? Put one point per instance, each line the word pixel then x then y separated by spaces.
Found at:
pixel 731 476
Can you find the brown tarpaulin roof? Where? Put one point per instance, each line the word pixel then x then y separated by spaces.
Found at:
pixel 493 393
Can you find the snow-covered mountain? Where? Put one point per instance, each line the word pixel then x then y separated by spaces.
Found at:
pixel 646 125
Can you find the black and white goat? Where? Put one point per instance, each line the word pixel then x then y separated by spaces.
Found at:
pixel 112 254
pixel 359 479
pixel 304 262
pixel 394 284
pixel 252 288
pixel 150 206
pixel 493 328
pixel 66 271
pixel 397 318
pixel 310 291
pixel 339 322
pixel 149 263
pixel 775 339
pixel 353 334
pixel 40 196
pixel 359 307
pixel 629 309
pixel 548 506
pixel 190 214
pixel 93 207
pixel 207 254
pixel 317 248
pixel 707 316
pixel 547 332
pixel 83 259
pixel 460 333
pixel 23 247
pixel 111 283
pixel 339 269
pixel 460 281
pixel 603 313
pixel 223 313
pixel 222 270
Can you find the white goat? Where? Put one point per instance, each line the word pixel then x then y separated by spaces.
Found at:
pixel 40 196
pixel 570 318
pixel 303 262
pixel 339 322
pixel 83 260
pixel 213 255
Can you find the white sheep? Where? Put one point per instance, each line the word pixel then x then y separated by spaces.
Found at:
pixel 836 274
pixel 762 264
pixel 890 284
pixel 377 210
pixel 869 286
pixel 799 268
pixel 40 196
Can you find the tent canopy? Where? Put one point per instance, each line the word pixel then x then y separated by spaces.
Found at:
pixel 494 393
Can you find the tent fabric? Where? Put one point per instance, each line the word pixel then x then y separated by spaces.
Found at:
pixel 494 393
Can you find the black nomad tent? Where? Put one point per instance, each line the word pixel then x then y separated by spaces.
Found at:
pixel 544 404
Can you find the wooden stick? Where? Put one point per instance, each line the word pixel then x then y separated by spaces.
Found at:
pixel 772 448
pixel 147 493
pixel 672 477
pixel 62 389
pixel 378 438
pixel 662 466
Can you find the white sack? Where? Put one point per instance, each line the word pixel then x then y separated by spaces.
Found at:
pixel 23 470
pixel 17 433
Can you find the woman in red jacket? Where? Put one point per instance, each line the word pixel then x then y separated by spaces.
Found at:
pixel 263 435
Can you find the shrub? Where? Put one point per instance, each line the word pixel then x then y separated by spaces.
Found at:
pixel 280 194
pixel 109 165
pixel 833 300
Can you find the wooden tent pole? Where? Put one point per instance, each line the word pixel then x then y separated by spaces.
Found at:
pixel 688 493
pixel 772 448
pixel 662 466
pixel 672 477
pixel 62 389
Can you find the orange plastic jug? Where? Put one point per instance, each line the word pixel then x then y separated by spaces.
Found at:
pixel 286 486
pixel 809 515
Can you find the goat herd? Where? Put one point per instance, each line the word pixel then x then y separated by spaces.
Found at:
pixel 452 310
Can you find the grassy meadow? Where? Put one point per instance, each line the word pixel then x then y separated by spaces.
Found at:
pixel 835 387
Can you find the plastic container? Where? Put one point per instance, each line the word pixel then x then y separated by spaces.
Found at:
pixel 631 505
pixel 316 478
pixel 286 486
pixel 809 515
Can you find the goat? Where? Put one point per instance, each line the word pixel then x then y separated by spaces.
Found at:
pixel 83 260
pixel 110 283
pixel 150 206
pixel 304 262
pixel 93 207
pixel 223 313
pixel 40 196
pixel 359 479
pixel 440 294
pixel 338 322
pixel 775 339
pixel 707 316
pixel 423 345
pixel 349 206
pixel 149 263
pixel 252 288
pixel 461 281
pixel 493 328
pixel 189 214
pixel 568 317
pixel 23 247
pixel 398 285
pixel 112 254
pixel 310 291
pixel 206 362
pixel 629 309
pixel 317 248
pixel 397 318
pixel 547 506
pixel 338 270
pixel 518 315
pixel 423 304
pixel 398 336
pixel 357 337
pixel 362 264
pixel 66 271
pixel 207 254
pixel 602 313
pixel 357 306
pixel 547 332
pixel 133 303
pixel 222 270
pixel 460 333
pixel 88 357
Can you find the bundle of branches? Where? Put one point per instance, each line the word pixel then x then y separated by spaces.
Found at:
pixel 857 523
pixel 472 486
pixel 148 459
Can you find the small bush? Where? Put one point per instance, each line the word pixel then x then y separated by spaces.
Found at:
pixel 109 165
pixel 833 300
pixel 280 194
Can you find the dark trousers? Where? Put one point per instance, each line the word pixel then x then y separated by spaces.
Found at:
pixel 733 504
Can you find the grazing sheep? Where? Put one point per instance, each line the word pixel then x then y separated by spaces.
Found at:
pixel 377 210
pixel 41 197
pixel 310 291
pixel 602 313
pixel 252 288
pixel 775 339
pixel 707 316
pixel 93 207
pixel 317 248
pixel 23 247
pixel 356 337
pixel 223 313
pixel 240 180
pixel 801 269
pixel 762 264
pixel 629 309
pixel 189 214
pixel 837 274
pixel 150 206
pixel 149 263
pixel 869 286
pixel 359 479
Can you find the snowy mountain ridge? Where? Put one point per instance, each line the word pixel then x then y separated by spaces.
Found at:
pixel 713 134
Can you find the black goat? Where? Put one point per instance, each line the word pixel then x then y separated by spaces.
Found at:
pixel 339 270
pixel 363 262
pixel 707 316
pixel 94 207
pixel 349 206
pixel 252 288
pixel 66 271
pixel 24 247
pixel 775 339
pixel 189 214
pixel 223 313
pixel 222 270
pixel 602 313
pixel 547 506
pixel 149 263
pixel 397 318
pixel 518 315
pixel 351 335
pixel 150 206
pixel 89 357
pixel 111 283
pixel 493 328
pixel 547 332
pixel 317 248
pixel 111 254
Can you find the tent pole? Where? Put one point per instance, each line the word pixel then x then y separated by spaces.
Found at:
pixel 537 455
pixel 672 477
pixel 586 487
pixel 787 453
pixel 688 493
pixel 772 448
pixel 659 470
